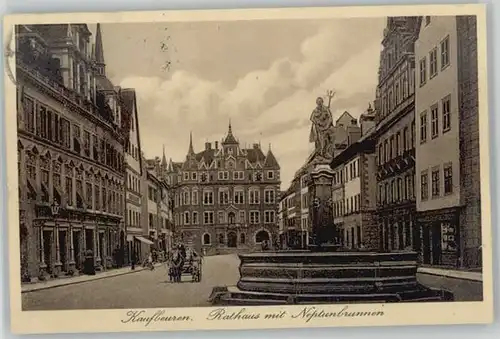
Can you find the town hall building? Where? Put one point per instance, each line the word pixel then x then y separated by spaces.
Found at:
pixel 226 196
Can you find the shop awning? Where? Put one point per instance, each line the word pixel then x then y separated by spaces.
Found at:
pixel 144 240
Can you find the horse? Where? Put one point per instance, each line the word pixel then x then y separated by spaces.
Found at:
pixel 177 265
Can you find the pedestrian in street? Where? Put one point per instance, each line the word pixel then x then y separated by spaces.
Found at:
pixel 134 260
pixel 150 262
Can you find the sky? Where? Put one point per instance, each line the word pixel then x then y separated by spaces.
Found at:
pixel 263 75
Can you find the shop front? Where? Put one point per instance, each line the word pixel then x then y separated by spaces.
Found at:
pixel 440 237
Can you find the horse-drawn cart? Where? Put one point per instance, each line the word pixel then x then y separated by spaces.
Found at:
pixel 190 266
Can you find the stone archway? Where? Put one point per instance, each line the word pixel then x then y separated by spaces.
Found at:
pixel 262 235
pixel 232 239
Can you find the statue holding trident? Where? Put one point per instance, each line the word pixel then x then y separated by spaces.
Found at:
pixel 322 132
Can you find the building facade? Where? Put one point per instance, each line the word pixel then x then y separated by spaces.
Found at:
pixel 226 196
pixel 395 134
pixel 447 150
pixel 354 190
pixel 293 235
pixel 134 177
pixel 70 151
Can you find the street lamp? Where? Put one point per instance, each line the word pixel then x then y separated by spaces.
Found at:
pixel 55 207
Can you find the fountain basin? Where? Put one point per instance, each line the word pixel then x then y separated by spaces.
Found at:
pixel 302 277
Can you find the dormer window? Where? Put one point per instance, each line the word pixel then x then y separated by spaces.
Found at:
pixel 270 174
pixel 186 176
pixel 203 177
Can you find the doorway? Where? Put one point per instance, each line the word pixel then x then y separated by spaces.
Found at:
pixel 426 248
pixel 63 250
pixel 89 240
pixel 232 239
pixel 47 250
pixel 436 243
pixel 101 247
pixel 77 250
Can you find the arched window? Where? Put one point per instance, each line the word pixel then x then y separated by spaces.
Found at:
pixel 206 239
pixel 261 236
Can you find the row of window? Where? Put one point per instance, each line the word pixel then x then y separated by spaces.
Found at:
pixel 134 218
pixel 192 218
pixel 48 124
pixel 349 172
pixel 304 223
pixel 305 200
pixel 133 151
pixel 225 175
pixel 436 186
pixel 290 202
pixel 397 190
pixel 233 238
pixel 444 58
pixel 133 182
pixel 397 91
pixel 191 198
pixel 396 144
pixel 347 206
pixel 352 237
pixel 445 119
pixel 79 188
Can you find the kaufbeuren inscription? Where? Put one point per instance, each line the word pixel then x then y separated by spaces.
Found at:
pixel 306 314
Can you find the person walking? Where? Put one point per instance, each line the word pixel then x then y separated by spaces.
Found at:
pixel 150 262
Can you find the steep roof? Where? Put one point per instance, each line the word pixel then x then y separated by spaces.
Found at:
pixel 230 139
pixel 99 50
pixel 270 161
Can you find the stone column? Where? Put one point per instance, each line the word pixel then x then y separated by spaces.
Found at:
pixel 325 235
pixel 97 255
pixel 58 263
pixel 71 250
pixel 43 265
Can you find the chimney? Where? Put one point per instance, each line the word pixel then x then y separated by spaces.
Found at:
pixel 366 123
pixel 208 145
pixel 216 145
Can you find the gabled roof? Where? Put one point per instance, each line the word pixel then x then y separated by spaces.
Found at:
pixel 271 161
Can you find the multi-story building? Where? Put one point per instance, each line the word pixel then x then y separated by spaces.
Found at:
pixel 447 148
pixel 166 224
pixel 292 235
pixel 395 134
pixel 295 201
pixel 354 189
pixel 226 196
pixel 156 228
pixel 70 151
pixel 134 173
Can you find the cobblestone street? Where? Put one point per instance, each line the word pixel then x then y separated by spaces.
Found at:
pixel 145 289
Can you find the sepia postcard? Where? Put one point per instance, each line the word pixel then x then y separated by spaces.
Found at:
pixel 248 169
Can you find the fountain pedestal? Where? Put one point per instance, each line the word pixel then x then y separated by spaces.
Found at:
pixel 324 274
